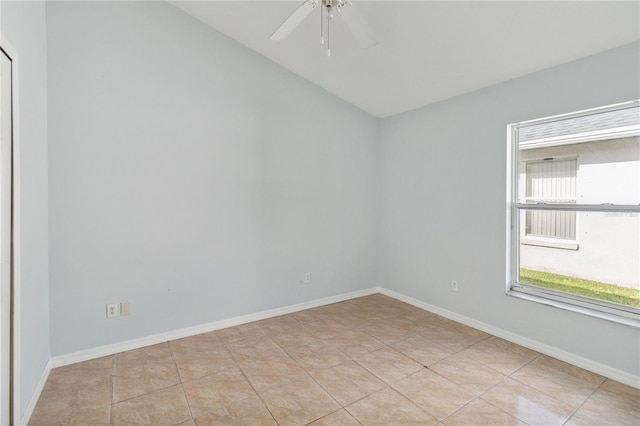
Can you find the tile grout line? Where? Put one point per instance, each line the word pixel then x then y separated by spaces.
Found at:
pixel 154 390
pixel 574 411
pixel 244 374
pixel 523 366
pixel 543 393
pixel 479 396
pixel 184 392
pixel 113 378
pixel 585 401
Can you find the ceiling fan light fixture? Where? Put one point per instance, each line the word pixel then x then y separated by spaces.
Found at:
pixel 321 26
pixel 355 22
pixel 327 4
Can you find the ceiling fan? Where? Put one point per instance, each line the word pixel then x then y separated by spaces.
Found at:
pixel 345 9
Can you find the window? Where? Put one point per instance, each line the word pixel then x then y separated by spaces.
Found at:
pixel 574 211
pixel 550 181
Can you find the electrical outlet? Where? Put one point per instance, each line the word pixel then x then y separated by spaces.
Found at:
pixel 307 277
pixel 454 285
pixel 113 310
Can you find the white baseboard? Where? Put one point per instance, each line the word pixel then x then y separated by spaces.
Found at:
pixel 128 345
pixel 36 394
pixel 587 364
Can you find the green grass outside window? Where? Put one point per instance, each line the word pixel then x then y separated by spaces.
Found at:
pixel 594 289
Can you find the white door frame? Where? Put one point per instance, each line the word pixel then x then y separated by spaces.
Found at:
pixel 9 335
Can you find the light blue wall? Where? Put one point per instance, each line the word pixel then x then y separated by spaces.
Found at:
pixel 443 199
pixel 193 177
pixel 24 31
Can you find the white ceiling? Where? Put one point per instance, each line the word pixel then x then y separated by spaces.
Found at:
pixel 428 50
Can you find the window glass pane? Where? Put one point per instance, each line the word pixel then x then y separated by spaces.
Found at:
pixel 603 171
pixel 552 181
pixel 551 224
pixel 603 264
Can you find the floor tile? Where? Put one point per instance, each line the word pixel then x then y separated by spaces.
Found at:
pixel 606 407
pixel 527 404
pixel 358 318
pixel 163 407
pixel 385 332
pixel 511 347
pixel 317 355
pixel 279 324
pixel 496 354
pixel 314 314
pixel 142 371
pixel 299 402
pixel 481 413
pixel 90 394
pixel 411 324
pixel 470 331
pixel 250 411
pixel 240 332
pixel 300 336
pixel 389 311
pixel 146 354
pixel 327 327
pixel 388 364
pixel 424 318
pixel 622 390
pixel 248 350
pixel 433 393
pixel 389 407
pixel 48 414
pixel 199 343
pixel 451 337
pixel 422 350
pixel 76 394
pixel 558 379
pixel 354 343
pixel 337 418
pixel 85 386
pixel 469 374
pixel 276 371
pixel 568 369
pixel 196 364
pixel 79 373
pixel 348 382
pixel 219 389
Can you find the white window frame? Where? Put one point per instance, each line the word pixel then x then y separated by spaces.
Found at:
pixel 619 313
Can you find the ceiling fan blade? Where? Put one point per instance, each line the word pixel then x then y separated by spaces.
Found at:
pixel 358 26
pixel 294 20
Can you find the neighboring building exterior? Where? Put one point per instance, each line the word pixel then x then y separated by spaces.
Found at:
pixel 583 161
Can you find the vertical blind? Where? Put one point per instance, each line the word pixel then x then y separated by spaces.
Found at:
pixel 551 181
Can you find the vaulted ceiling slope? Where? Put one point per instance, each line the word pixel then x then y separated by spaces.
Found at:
pixel 429 50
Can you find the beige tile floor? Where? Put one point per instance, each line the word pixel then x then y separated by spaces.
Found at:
pixel 371 360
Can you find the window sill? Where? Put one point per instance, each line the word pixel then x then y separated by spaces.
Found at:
pixel 550 242
pixel 574 308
